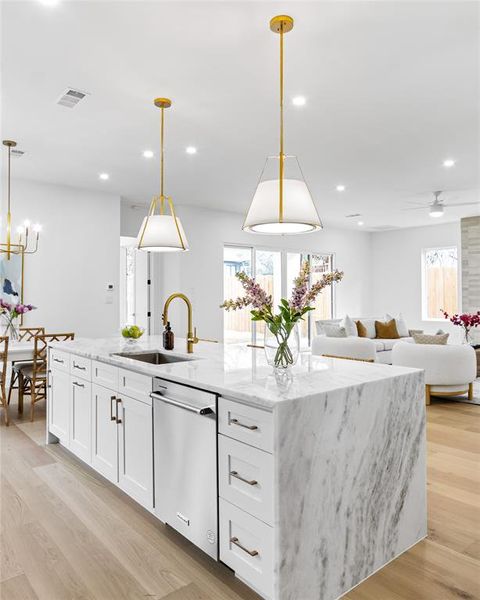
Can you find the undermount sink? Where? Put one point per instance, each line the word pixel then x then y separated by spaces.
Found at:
pixel 153 358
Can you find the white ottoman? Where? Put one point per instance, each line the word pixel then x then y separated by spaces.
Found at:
pixel 449 370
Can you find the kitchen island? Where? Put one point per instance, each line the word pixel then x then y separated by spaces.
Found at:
pixel 321 472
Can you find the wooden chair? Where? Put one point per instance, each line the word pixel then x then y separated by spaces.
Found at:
pixel 32 378
pixel 3 374
pixel 26 334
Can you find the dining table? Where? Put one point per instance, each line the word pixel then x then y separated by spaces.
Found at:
pixel 18 351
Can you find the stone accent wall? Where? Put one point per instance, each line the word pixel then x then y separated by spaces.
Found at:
pixel 470 228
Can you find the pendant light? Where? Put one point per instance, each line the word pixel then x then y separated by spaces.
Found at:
pixel 23 244
pixel 282 203
pixel 162 232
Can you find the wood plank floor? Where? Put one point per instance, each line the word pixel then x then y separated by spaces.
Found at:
pixel 68 534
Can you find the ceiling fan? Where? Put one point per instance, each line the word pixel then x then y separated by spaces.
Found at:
pixel 436 208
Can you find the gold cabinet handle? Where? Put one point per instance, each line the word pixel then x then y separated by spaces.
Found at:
pixel 237 476
pixel 237 422
pixel 235 541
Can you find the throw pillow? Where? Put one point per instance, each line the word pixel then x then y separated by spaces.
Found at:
pixel 386 331
pixel 368 328
pixel 400 323
pixel 350 326
pixel 361 329
pixel 335 331
pixel 423 338
pixel 439 332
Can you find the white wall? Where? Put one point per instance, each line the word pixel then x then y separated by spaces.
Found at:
pixel 199 273
pixel 78 256
pixel 397 270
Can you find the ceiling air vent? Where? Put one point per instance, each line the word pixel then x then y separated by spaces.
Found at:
pixel 353 216
pixel 17 153
pixel 70 97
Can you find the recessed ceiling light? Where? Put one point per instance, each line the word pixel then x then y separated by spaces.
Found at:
pixel 190 150
pixel 360 223
pixel 449 162
pixel 148 153
pixel 299 101
pixel 104 176
pixel 340 188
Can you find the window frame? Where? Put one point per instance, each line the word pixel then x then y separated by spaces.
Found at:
pixel 425 316
pixel 283 270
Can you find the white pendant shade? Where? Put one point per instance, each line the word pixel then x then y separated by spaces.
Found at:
pixel 299 212
pixel 160 234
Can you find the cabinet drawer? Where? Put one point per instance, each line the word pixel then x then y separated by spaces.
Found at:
pixel 106 375
pixel 81 367
pixel 246 477
pixel 246 546
pixel 135 385
pixel 59 360
pixel 246 424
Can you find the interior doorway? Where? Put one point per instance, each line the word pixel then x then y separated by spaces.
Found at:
pixel 135 285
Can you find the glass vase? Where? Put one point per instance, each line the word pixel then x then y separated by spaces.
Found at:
pixel 11 329
pixel 466 336
pixel 282 349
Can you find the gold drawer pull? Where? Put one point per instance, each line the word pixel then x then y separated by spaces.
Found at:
pixel 237 476
pixel 235 541
pixel 237 422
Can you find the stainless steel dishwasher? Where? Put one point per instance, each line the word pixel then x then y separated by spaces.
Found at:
pixel 185 434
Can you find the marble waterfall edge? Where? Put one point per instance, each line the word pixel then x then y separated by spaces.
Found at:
pixel 351 474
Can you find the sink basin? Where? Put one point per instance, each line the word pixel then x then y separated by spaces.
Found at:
pixel 153 358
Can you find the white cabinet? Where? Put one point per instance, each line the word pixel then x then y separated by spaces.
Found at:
pixel 81 418
pixel 135 450
pixel 59 404
pixel 104 432
pixel 122 442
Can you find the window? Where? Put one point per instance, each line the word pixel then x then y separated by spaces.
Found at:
pixel 440 282
pixel 275 271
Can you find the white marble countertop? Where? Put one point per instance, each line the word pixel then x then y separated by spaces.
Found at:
pixel 236 370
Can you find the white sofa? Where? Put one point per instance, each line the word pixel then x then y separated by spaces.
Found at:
pixel 368 349
pixel 449 370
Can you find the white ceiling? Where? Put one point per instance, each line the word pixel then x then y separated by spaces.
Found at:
pixel 392 90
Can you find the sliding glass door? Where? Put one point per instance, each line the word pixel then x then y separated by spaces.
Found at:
pixel 275 270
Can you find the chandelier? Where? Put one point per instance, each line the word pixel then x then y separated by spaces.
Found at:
pixel 27 234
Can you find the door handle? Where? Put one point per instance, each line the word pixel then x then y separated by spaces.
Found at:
pixel 237 422
pixel 204 410
pixel 118 401
pixel 235 541
pixel 112 417
pixel 238 476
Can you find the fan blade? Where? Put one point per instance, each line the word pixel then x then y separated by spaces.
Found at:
pixel 416 208
pixel 463 204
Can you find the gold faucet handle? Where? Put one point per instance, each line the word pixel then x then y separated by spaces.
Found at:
pixel 197 339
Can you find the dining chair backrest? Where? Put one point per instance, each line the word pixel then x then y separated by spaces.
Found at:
pixel 3 359
pixel 27 334
pixel 40 350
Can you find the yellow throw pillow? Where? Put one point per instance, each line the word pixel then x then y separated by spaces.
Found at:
pixel 386 331
pixel 361 329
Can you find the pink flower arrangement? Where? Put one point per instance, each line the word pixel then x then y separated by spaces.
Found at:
pixel 15 310
pixel 290 311
pixel 466 320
